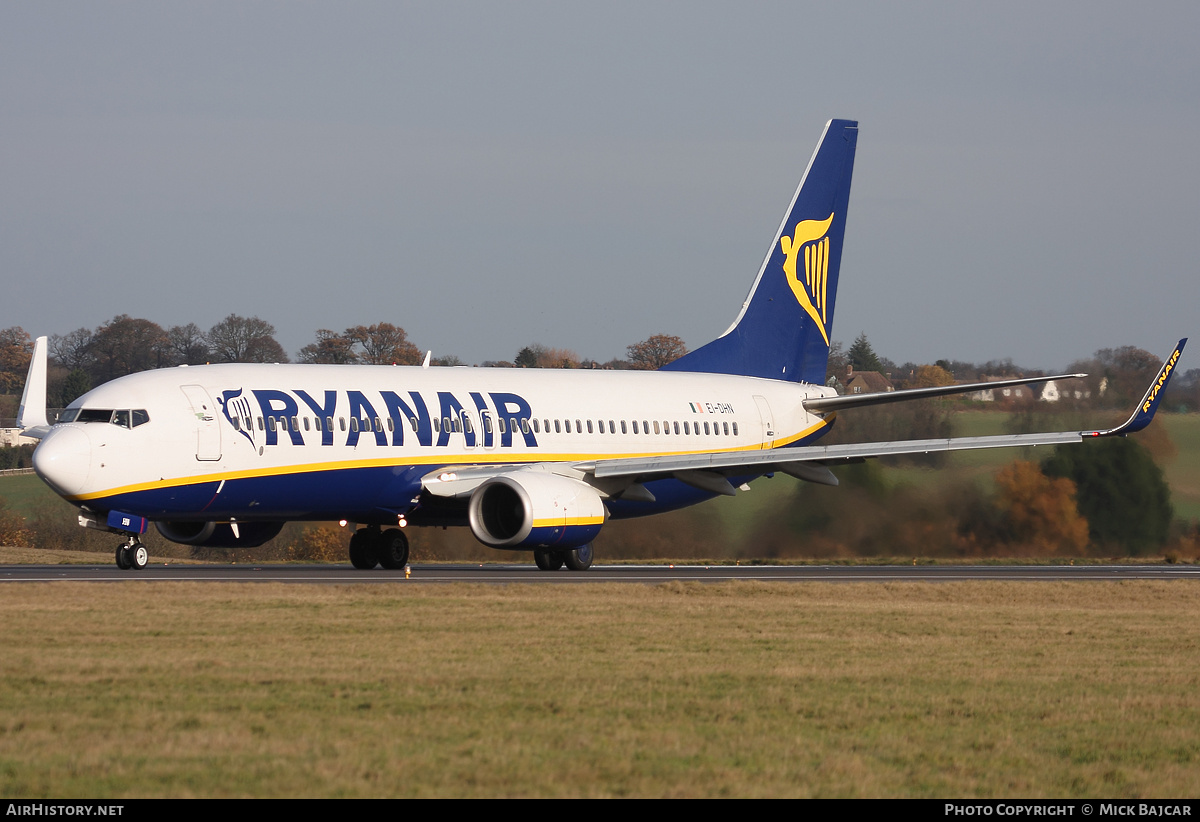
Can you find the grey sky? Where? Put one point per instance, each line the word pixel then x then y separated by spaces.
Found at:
pixel 488 175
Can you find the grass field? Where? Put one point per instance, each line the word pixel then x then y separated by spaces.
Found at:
pixel 690 690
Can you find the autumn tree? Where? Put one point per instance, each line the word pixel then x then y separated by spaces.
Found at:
pixel 930 376
pixel 1040 511
pixel 330 348
pixel 655 352
pixel 539 356
pixel 16 349
pixel 244 339
pixel 125 345
pixel 384 344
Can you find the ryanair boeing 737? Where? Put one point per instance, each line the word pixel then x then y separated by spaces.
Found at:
pixel 535 460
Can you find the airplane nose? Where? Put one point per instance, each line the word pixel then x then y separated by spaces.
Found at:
pixel 63 459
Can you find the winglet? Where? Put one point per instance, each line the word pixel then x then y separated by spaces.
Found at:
pixel 1149 404
pixel 31 417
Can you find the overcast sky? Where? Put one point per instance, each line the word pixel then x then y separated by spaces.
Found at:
pixel 584 175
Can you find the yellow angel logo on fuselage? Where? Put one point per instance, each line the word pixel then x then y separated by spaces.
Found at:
pixel 812 291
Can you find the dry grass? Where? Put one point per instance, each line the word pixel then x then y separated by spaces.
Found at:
pixel 748 689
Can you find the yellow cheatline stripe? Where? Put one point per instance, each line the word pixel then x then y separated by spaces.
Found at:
pixel 472 457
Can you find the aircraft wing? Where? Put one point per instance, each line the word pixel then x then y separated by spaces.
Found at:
pixel 879 398
pixel 810 462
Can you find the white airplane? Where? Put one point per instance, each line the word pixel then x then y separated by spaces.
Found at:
pixel 223 455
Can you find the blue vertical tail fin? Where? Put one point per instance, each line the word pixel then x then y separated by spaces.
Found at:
pixel 783 329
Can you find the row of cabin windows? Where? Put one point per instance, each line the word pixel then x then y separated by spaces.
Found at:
pixel 463 424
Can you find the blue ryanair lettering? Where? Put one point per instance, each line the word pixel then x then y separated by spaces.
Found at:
pixel 281 406
pixel 452 409
pixel 400 411
pixel 362 410
pixel 513 409
pixel 323 412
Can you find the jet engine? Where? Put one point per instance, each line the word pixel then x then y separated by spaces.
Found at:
pixel 219 534
pixel 531 509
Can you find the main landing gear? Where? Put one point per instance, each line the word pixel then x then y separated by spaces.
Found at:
pixel 370 547
pixel 131 554
pixel 579 559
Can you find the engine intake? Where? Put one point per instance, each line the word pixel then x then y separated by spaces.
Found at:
pixel 530 509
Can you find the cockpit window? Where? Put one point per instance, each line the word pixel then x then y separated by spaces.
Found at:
pixel 122 417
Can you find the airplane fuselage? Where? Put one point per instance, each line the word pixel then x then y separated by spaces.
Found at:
pixel 323 442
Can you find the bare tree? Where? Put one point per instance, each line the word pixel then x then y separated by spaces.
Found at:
pixel 655 352
pixel 72 351
pixel 245 339
pixel 187 345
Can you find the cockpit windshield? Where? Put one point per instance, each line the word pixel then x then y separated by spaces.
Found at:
pixel 122 417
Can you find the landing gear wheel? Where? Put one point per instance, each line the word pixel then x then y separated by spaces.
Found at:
pixel 580 559
pixel 139 558
pixel 362 550
pixel 123 561
pixel 548 560
pixel 393 549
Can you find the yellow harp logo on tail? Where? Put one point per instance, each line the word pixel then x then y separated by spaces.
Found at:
pixel 811 288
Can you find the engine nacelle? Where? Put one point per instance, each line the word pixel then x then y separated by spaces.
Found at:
pixel 530 509
pixel 219 534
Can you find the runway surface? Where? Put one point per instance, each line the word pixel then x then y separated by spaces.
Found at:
pixel 643 574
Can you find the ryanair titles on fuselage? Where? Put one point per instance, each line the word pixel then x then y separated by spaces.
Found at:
pixel 387 416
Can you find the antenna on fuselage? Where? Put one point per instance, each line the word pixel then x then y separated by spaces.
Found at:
pixel 428 357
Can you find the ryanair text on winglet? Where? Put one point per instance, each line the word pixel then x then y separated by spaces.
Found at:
pixel 1162 379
